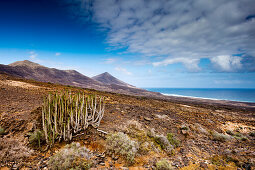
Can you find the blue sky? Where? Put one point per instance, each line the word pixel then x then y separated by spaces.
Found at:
pixel 153 43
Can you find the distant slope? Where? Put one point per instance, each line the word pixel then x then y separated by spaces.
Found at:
pixel 103 82
pixel 107 78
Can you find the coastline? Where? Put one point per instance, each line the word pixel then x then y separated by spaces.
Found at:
pixel 211 103
pixel 194 97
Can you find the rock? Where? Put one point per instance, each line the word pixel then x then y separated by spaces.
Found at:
pixel 203 165
pixel 185 132
pixel 102 163
pixel 111 164
pixel 15 166
pixel 184 127
pixel 227 151
pixel 147 119
pixel 102 155
pixel 115 158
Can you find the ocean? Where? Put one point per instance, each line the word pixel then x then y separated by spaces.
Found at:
pixel 243 95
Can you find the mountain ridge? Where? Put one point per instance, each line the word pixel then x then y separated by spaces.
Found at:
pixel 29 70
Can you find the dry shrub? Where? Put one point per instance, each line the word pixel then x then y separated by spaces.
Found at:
pixel 201 129
pixel 162 141
pixel 163 165
pixel 135 131
pixel 120 144
pixel 220 137
pixel 72 156
pixel 12 150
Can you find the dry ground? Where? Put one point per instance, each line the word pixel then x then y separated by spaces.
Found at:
pixel 20 112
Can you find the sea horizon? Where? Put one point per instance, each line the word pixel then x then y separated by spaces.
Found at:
pixel 229 94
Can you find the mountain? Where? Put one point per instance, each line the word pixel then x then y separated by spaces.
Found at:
pixel 30 70
pixel 107 78
pixel 104 82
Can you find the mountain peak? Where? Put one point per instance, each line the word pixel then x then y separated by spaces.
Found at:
pixel 107 78
pixel 104 74
pixel 25 63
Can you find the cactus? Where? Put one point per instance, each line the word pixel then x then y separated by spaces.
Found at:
pixel 66 114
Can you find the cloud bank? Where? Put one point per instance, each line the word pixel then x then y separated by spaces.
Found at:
pixel 178 31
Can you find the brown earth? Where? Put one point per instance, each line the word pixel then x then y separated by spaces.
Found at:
pixel 20 113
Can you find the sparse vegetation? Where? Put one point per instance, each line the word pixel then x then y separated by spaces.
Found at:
pixel 2 131
pixel 65 114
pixel 120 144
pixel 135 131
pixel 36 137
pixel 163 165
pixel 173 141
pixel 237 135
pixel 72 156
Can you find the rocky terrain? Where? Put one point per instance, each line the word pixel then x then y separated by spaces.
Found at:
pixel 170 133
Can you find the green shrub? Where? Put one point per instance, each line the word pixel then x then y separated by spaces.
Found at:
pixel 72 156
pixel 120 144
pixel 163 165
pixel 2 131
pixel 36 137
pixel 172 140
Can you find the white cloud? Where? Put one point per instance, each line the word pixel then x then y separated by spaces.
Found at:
pixel 178 30
pixel 110 60
pixel 123 70
pixel 190 64
pixel 227 63
pixel 58 54
pixel 33 55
